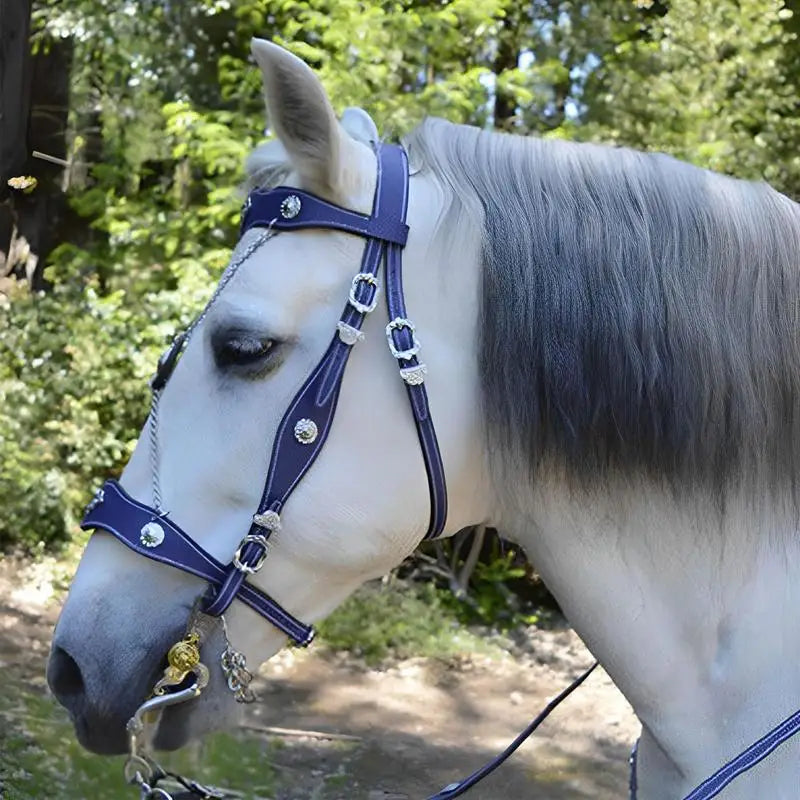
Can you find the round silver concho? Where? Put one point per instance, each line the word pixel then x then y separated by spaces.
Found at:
pixel 151 534
pixel 290 207
pixel 305 431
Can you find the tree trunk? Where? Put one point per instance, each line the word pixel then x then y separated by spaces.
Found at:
pixel 15 19
pixel 507 58
pixel 34 99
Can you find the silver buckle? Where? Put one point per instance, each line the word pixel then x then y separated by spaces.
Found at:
pixel 398 323
pixel 363 277
pixel 251 538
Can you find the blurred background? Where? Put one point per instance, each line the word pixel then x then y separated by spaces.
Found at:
pixel 146 111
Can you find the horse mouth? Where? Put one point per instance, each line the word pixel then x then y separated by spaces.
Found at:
pixel 103 737
pixel 109 737
pixel 174 731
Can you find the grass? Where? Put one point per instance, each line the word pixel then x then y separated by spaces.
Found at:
pixel 395 620
pixel 40 758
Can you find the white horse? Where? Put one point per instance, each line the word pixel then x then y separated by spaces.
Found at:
pixel 613 350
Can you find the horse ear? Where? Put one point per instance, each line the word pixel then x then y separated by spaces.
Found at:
pixel 359 125
pixel 301 115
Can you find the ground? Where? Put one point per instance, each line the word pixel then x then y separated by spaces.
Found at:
pixel 329 727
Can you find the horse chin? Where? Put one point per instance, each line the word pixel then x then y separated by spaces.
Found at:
pixel 111 740
pixel 183 724
pixel 178 727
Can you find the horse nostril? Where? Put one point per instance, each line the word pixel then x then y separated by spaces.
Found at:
pixel 64 676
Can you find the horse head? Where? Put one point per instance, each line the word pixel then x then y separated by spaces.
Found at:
pixel 363 505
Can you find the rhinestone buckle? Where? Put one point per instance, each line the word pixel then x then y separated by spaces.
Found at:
pixel 398 323
pixel 269 520
pixel 364 308
pixel 251 538
pixel 348 334
pixel 414 376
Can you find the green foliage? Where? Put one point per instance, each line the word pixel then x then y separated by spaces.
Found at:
pixel 493 601
pixel 166 103
pixel 712 83
pixel 483 579
pixel 401 620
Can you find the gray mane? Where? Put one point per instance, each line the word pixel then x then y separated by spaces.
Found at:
pixel 639 315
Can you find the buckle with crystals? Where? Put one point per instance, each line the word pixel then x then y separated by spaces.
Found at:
pixel 269 520
pixel 398 323
pixel 363 308
pixel 251 538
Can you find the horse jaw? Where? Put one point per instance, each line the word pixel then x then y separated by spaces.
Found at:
pixel 688 609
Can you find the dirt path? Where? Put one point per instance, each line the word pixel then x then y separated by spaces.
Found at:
pixel 420 724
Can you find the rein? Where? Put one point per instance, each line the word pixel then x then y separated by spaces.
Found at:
pixel 737 766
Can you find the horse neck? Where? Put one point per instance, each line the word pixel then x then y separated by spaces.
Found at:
pixel 692 611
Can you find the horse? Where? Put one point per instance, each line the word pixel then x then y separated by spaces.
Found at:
pixel 611 344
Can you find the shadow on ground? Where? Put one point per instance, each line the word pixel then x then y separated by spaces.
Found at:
pixel 420 725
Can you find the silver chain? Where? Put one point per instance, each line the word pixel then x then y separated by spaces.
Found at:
pixel 155 398
pixel 234 665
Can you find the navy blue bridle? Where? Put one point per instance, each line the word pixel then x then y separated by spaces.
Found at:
pixel 307 422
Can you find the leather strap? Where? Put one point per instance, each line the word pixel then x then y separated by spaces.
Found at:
pixel 404 341
pixel 263 208
pixel 127 519
pixel 295 448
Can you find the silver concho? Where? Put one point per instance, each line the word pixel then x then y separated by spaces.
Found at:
pixel 414 376
pixel 305 431
pixel 151 534
pixel 348 334
pixel 271 520
pixel 290 207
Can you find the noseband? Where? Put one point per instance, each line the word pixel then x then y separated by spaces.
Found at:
pixel 307 422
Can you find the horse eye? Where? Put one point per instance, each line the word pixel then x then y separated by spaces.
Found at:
pixel 241 350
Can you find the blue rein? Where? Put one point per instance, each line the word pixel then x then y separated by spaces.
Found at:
pixel 737 766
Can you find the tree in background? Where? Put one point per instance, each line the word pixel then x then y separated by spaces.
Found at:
pixel 155 105
pixel 717 84
pixel 33 114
